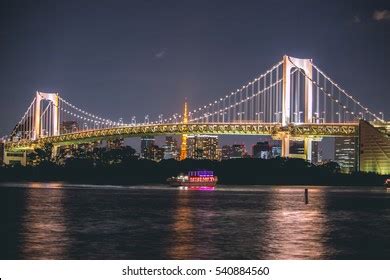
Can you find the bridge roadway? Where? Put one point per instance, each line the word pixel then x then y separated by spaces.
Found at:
pixel 242 128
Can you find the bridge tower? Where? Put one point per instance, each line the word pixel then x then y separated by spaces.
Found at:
pixel 304 65
pixel 54 121
pixel 183 147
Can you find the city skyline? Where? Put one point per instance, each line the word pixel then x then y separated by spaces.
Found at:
pixel 203 146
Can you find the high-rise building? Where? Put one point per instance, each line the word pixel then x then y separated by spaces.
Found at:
pixel 275 148
pixel 146 143
pixel 276 151
pixel 374 147
pixel 297 149
pixel 316 154
pixel 89 147
pixel 115 143
pixel 202 147
pixel 345 153
pixel 156 153
pixel 261 150
pixel 238 151
pixel 69 127
pixel 226 152
pixel 170 148
pixel 219 154
pixel 1 152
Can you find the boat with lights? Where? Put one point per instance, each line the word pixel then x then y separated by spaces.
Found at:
pixel 202 178
pixel 387 184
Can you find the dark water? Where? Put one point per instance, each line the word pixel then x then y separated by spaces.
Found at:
pixel 55 221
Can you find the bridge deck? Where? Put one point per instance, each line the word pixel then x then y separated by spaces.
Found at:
pixel 273 129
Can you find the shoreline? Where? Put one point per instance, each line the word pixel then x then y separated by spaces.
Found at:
pixel 87 184
pixel 279 171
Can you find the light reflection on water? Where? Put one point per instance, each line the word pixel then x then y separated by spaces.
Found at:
pixel 301 233
pixel 57 221
pixel 182 227
pixel 45 233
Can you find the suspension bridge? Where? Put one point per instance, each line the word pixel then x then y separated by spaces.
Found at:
pixel 293 100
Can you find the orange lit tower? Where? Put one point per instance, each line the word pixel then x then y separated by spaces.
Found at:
pixel 183 147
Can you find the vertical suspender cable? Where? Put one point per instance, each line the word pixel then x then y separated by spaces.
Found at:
pixel 258 99
pixel 48 120
pixel 240 106
pixel 229 108
pixel 339 103
pixel 235 108
pixel 325 99
pixel 271 98
pixel 277 94
pixel 264 97
pixel 294 97
pixel 252 103
pixel 246 113
pixel 299 96
pixel 318 98
pixel 331 104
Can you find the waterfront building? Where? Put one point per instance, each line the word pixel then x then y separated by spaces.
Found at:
pixel 2 147
pixel 261 150
pixel 170 148
pixel 345 153
pixel 226 152
pixel 149 150
pixel 146 143
pixel 156 153
pixel 297 149
pixel 219 154
pixel 316 153
pixel 115 143
pixel 238 151
pixel 374 148
pixel 89 147
pixel 64 153
pixel 276 151
pixel 202 147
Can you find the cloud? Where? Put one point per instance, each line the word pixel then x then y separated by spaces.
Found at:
pixel 356 19
pixel 160 54
pixel 381 15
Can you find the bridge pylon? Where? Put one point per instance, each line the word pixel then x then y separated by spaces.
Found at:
pixel 304 65
pixel 54 120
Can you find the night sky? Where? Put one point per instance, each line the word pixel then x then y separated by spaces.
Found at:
pixel 124 58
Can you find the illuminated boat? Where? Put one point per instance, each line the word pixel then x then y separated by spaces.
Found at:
pixel 203 178
pixel 387 184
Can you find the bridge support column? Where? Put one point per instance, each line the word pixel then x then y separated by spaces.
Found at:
pixel 308 149
pixel 285 145
pixel 307 142
pixel 37 117
pixel 54 152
